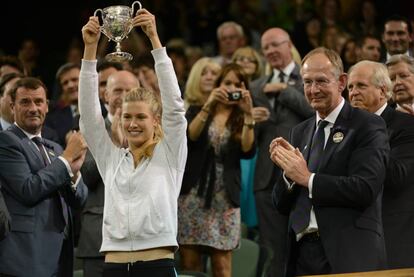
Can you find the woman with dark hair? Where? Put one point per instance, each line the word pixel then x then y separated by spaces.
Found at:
pixel 220 133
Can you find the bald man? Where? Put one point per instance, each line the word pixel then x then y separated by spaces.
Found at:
pixel 281 93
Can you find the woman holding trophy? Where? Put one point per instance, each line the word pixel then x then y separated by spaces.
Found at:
pixel 142 182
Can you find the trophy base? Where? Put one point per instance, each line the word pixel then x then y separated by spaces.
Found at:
pixel 118 57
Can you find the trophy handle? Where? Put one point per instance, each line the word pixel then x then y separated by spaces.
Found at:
pixel 133 5
pixel 101 28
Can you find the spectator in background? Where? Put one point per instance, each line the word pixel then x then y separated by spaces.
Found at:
pixel 105 69
pixel 230 37
pixel 367 21
pixel 368 48
pixel 11 64
pixel 220 132
pixel 29 55
pixel 369 89
pixel 308 34
pixel 280 95
pixel 401 71
pixel 348 54
pixel 143 68
pixel 65 108
pixel 201 81
pixel 250 60
pixel 176 50
pixel 397 36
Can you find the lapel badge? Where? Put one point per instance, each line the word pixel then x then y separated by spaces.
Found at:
pixel 338 137
pixel 51 153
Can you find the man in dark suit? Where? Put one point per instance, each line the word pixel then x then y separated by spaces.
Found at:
pixel 283 97
pixel 64 108
pixel 333 176
pixel 369 88
pixel 40 182
pixel 90 239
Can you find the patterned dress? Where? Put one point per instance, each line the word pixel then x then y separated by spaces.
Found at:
pixel 218 226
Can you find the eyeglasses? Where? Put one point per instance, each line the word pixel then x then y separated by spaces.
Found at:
pixel 320 83
pixel 274 44
pixel 245 59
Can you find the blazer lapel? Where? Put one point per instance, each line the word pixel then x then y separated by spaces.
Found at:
pixel 339 129
pixel 27 144
pixel 308 134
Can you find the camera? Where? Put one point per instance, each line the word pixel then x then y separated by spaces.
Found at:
pixel 234 95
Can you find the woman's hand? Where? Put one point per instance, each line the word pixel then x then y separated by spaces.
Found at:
pixel 217 95
pixel 246 103
pixel 91 31
pixel 146 21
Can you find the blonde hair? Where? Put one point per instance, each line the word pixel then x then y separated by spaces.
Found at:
pixel 149 97
pixel 250 52
pixel 193 93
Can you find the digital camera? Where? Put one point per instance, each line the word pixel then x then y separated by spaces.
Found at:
pixel 234 95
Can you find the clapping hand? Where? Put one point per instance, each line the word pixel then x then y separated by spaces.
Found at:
pixel 290 160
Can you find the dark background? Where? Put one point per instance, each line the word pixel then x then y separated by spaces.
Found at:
pixel 39 19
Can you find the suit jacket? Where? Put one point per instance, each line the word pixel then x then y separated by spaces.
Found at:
pixel 32 193
pixel 292 109
pixel 4 218
pixel 347 190
pixel 47 133
pixel 398 198
pixel 90 239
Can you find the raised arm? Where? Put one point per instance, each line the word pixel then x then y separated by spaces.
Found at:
pixel 92 123
pixel 173 120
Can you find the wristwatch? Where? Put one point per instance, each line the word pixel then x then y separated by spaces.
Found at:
pixel 250 125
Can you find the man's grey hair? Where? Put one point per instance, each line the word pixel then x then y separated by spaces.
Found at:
pixel 380 76
pixel 401 58
pixel 233 24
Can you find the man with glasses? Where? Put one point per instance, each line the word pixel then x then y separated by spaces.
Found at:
pixel 333 172
pixel 281 93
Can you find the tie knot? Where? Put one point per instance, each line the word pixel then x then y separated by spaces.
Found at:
pixel 322 124
pixel 37 140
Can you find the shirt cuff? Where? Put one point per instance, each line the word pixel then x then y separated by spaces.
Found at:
pixel 89 66
pixel 310 184
pixel 159 54
pixel 75 184
pixel 289 183
pixel 67 166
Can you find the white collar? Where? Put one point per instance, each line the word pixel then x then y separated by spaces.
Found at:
pixel 287 70
pixel 29 135
pixel 381 110
pixel 331 118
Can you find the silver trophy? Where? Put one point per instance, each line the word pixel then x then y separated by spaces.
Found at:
pixel 117 23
